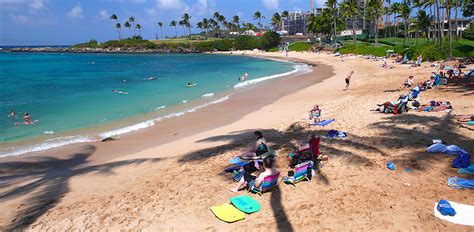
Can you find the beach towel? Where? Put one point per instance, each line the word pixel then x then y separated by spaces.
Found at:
pixel 463 160
pixel 459 183
pixel 336 134
pixel 470 123
pixel 441 148
pixel 468 170
pixel 325 122
pixel 464 214
pixel 237 161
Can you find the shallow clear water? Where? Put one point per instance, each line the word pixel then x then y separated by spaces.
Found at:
pixel 72 91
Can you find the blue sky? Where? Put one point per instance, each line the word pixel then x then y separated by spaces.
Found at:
pixel 54 22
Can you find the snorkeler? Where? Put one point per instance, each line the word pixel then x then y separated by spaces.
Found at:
pixel 12 113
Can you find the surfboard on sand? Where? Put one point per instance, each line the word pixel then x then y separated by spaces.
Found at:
pixel 228 213
pixel 245 204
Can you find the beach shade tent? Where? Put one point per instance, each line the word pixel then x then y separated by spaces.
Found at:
pixel 268 184
pixel 300 173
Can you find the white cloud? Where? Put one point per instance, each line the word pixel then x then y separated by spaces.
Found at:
pixel 104 14
pixel 203 7
pixel 271 4
pixel 36 4
pixel 76 12
pixel 171 4
pixel 19 18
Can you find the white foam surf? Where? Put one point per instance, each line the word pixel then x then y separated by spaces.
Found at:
pixel 48 144
pixel 298 68
pixel 208 95
pixel 152 122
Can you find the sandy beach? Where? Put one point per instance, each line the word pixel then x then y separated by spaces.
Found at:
pixel 168 176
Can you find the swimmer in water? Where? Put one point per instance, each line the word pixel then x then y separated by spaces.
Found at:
pixel 27 118
pixel 151 78
pixel 12 113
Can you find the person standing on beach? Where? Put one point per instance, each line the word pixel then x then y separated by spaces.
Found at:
pixel 348 80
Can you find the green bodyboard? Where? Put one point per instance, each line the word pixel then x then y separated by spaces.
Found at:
pixel 245 204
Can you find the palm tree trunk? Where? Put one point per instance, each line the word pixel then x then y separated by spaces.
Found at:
pixel 450 34
pixel 353 31
pixel 175 32
pixel 439 23
pixel 376 31
pixel 161 32
pixel 456 19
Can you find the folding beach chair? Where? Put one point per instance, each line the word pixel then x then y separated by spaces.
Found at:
pixel 268 184
pixel 300 173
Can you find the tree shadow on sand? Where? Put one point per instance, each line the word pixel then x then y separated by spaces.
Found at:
pixel 46 179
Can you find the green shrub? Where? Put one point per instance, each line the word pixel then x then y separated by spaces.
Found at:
pixel 91 44
pixel 363 49
pixel 245 42
pixel 431 52
pixel 269 40
pixel 273 49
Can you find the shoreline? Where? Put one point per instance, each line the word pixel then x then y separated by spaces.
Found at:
pixel 134 135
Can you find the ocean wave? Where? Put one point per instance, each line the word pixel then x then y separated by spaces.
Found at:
pixel 184 101
pixel 160 107
pixel 208 95
pixel 48 144
pixel 48 132
pixel 298 68
pixel 152 122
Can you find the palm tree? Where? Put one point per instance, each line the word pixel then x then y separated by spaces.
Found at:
pixel 182 24
pixel 276 21
pixel 205 24
pixel 200 26
pixel 350 9
pixel 114 17
pixel 258 16
pixel 405 12
pixel 423 23
pixel 160 24
pixel 375 9
pixel 185 18
pixel 132 20
pixel 118 26
pixel 395 9
pixel 214 23
pixel 139 27
pixel 127 25
pixel 448 5
pixel 332 7
pixel 236 21
pixel 221 19
pixel 173 24
pixel 387 18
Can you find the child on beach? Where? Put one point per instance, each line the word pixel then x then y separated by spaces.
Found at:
pixel 254 181
pixel 408 83
pixel 314 114
pixel 348 80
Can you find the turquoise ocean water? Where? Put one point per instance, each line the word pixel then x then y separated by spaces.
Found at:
pixel 65 92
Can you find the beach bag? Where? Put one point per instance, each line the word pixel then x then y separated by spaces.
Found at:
pixel 462 161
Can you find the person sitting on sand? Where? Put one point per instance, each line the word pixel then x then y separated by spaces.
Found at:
pixel 256 181
pixel 12 113
pixel 258 148
pixel 436 106
pixel 408 83
pixel 314 114
pixel 348 80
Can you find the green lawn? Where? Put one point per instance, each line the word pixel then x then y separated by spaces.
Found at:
pixel 300 46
